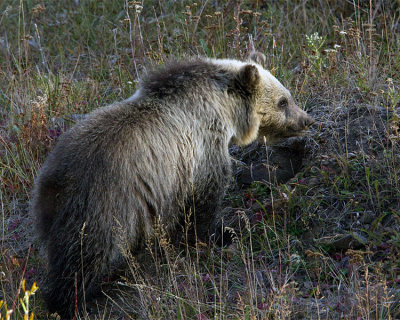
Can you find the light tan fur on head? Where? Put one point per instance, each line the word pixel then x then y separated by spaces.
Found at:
pixel 275 114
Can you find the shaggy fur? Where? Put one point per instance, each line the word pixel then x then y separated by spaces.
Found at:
pixel 146 160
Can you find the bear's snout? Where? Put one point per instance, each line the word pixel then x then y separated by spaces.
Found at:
pixel 307 121
pixel 297 123
pixel 299 120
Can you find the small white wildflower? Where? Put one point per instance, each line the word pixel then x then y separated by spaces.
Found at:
pixel 315 37
pixel 138 8
pixel 129 82
pixel 343 33
pixel 337 46
pixel 295 258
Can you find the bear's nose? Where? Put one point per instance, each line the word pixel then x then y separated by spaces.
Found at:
pixel 308 121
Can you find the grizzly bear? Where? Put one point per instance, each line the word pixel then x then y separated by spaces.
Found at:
pixel 148 160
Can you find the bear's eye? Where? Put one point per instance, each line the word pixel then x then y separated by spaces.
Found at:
pixel 283 103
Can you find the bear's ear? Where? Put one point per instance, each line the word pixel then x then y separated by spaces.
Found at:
pixel 258 57
pixel 249 77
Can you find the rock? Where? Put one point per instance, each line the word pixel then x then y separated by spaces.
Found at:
pixel 368 217
pixel 313 182
pixel 343 241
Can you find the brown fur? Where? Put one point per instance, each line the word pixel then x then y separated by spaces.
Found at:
pixel 148 159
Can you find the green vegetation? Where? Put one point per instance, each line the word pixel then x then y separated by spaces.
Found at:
pixel 324 245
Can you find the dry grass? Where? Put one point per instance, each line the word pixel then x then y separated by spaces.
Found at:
pixel 324 245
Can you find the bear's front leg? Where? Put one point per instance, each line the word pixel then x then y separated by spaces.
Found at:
pixel 202 209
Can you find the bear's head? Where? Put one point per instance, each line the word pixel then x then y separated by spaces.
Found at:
pixel 273 107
